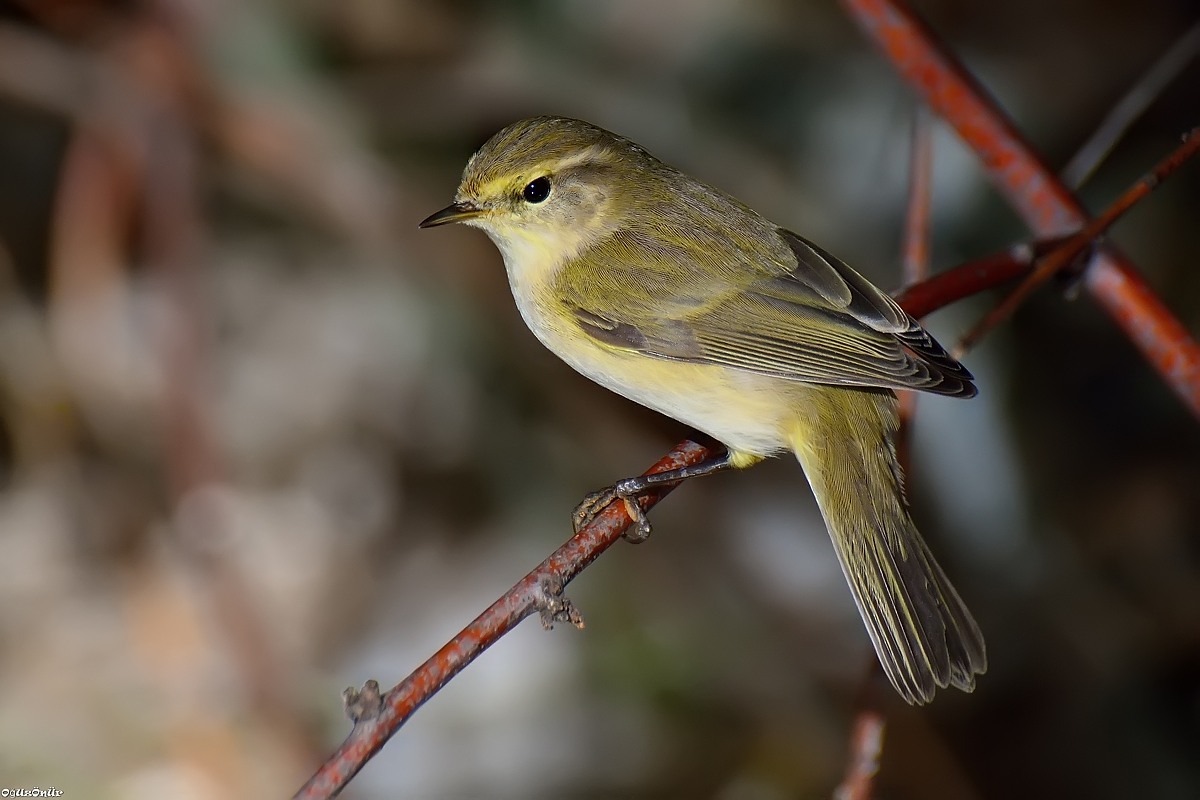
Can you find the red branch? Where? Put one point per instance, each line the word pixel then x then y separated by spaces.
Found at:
pixel 948 287
pixel 866 747
pixel 915 247
pixel 1062 257
pixel 1046 205
pixel 539 590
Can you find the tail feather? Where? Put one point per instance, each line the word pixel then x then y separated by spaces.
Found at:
pixel 922 631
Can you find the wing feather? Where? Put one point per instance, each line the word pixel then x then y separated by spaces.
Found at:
pixel 795 312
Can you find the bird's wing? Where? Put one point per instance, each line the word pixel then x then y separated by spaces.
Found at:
pixel 805 315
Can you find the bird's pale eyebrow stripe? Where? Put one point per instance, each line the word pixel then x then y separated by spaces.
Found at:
pixel 585 156
pixel 498 183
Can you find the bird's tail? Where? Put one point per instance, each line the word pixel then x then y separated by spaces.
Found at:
pixel 925 636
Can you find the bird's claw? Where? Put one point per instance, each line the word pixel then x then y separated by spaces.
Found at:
pixel 591 506
pixel 595 502
pixel 640 530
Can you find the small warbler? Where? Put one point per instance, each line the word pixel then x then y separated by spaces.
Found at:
pixel 679 297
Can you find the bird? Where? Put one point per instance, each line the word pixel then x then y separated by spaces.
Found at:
pixel 679 297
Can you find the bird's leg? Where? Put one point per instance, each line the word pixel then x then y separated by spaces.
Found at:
pixel 630 489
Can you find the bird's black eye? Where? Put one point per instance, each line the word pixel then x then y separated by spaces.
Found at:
pixel 537 190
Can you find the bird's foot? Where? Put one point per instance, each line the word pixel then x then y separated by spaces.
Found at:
pixel 627 491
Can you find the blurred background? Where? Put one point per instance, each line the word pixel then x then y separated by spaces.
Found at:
pixel 261 439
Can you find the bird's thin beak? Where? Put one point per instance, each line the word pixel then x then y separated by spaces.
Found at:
pixel 456 212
